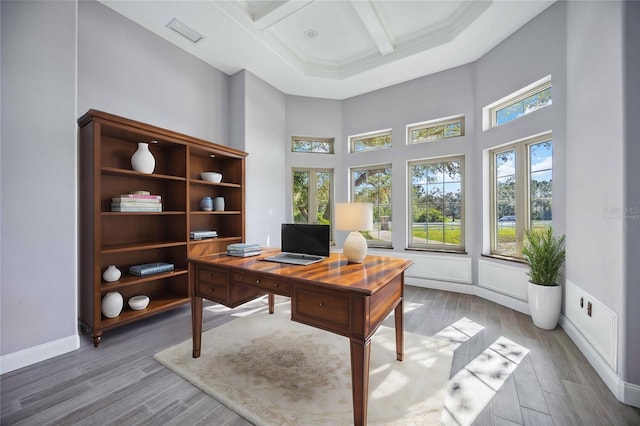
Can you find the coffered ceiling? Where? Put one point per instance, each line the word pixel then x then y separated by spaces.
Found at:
pixel 334 48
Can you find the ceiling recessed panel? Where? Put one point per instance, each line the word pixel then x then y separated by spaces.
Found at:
pixel 406 17
pixel 340 35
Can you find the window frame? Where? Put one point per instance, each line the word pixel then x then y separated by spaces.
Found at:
pixel 369 135
pixel 435 123
pixel 436 247
pixel 312 194
pixel 330 141
pixel 374 243
pixel 522 192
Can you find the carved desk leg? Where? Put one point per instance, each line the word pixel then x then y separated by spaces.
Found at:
pixel 196 324
pixel 360 362
pixel 271 303
pixel 399 319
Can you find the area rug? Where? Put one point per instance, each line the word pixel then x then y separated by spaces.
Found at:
pixel 273 371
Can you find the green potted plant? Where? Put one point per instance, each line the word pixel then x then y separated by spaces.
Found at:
pixel 545 254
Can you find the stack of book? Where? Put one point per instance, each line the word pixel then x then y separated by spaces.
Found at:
pixel 150 268
pixel 243 249
pixel 140 201
pixel 198 235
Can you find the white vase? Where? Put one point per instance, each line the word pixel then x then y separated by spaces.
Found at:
pixel 218 204
pixel 545 303
pixel 112 304
pixel 142 160
pixel 111 274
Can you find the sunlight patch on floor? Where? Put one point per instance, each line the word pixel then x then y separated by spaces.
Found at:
pixel 472 388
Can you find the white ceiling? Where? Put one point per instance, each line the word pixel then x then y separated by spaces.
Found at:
pixel 361 45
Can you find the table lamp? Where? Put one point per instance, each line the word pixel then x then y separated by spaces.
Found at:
pixel 354 217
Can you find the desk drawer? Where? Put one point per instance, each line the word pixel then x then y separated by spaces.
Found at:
pixel 323 309
pixel 213 284
pixel 275 286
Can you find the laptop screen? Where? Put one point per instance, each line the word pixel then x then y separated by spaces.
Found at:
pixel 305 238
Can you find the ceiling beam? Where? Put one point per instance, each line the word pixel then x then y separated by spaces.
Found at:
pixel 273 16
pixel 370 17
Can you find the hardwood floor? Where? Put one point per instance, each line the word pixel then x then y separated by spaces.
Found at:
pixel 120 383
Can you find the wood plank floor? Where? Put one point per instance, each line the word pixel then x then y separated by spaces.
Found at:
pixel 120 383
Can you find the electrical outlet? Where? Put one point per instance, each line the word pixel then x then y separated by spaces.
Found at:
pixel 589 308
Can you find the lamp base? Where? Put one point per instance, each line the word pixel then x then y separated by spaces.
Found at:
pixel 355 247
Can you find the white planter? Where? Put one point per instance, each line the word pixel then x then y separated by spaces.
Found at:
pixel 142 160
pixel 545 303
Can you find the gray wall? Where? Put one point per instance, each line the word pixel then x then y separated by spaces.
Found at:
pixel 265 171
pixel 632 194
pixel 126 70
pixel 38 176
pixel 595 144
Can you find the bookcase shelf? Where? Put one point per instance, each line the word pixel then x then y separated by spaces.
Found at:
pixel 107 143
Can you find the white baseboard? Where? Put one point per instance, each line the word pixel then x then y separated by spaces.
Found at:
pixel 499 298
pixel 627 393
pixel 23 358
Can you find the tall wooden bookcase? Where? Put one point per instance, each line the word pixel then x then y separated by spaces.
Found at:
pixel 107 143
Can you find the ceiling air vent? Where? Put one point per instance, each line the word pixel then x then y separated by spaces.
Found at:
pixel 185 31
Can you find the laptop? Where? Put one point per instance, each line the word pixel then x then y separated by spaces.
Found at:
pixel 302 244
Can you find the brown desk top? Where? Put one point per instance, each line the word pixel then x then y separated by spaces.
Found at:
pixel 367 277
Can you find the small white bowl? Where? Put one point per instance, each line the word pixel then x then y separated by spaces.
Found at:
pixel 137 303
pixel 211 176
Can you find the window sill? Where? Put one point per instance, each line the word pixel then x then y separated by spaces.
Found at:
pixel 506 258
pixel 431 250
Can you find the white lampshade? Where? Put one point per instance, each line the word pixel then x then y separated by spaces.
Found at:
pixel 354 217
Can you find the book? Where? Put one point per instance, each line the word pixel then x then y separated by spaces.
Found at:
pixel 135 209
pixel 141 196
pixel 126 204
pixel 198 235
pixel 150 268
pixel 243 247
pixel 135 200
pixel 244 254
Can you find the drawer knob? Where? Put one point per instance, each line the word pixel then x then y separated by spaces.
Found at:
pixel 212 290
pixel 275 285
pixel 321 304
pixel 258 281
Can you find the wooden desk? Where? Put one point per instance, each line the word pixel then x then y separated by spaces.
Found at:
pixel 349 299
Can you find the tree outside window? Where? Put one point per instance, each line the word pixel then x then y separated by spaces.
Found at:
pixel 373 185
pixel 312 199
pixel 436 208
pixel 522 191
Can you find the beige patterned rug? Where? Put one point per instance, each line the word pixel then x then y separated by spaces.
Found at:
pixel 273 371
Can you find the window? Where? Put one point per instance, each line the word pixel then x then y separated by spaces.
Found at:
pixel 436 204
pixel 435 129
pixel 312 195
pixel 370 141
pixel 373 185
pixel 533 97
pixel 522 189
pixel 312 145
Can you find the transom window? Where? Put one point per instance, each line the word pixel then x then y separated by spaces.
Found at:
pixel 533 97
pixel 373 185
pixel 436 204
pixel 312 145
pixel 370 141
pixel 522 190
pixel 435 129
